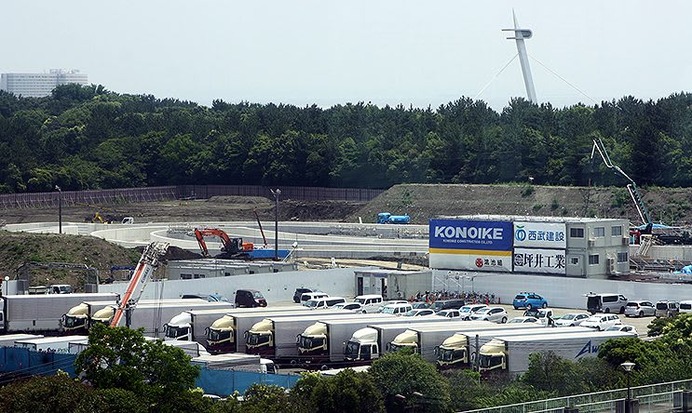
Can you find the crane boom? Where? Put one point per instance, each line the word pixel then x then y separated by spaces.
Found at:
pixel 631 187
pixel 145 268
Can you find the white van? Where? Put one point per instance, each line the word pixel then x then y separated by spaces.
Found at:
pixel 397 309
pixel 324 302
pixel 371 302
pixel 606 303
pixel 305 297
pixel 686 306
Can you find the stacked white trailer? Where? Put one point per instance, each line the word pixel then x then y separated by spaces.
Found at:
pixel 461 349
pixel 41 313
pixel 275 337
pixel 511 354
pixel 59 344
pixel 227 334
pixel 369 343
pixel 323 342
pixel 152 316
pixel 77 319
pixel 424 339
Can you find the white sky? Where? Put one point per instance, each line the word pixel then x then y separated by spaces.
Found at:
pixel 327 52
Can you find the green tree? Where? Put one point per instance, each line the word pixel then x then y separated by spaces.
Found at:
pixel 122 358
pixel 400 374
pixel 551 373
pixel 265 398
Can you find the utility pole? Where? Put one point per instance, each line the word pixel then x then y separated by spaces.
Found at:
pixel 57 188
pixel 276 194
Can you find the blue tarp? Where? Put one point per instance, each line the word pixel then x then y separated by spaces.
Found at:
pixel 219 382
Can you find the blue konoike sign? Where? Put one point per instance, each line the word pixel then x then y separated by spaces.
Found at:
pixel 471 235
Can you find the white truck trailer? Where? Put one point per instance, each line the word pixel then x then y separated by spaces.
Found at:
pixel 49 344
pixel 41 313
pixel 236 361
pixel 152 316
pixel 9 339
pixel 227 334
pixel 323 343
pixel 77 319
pixel 461 349
pixel 275 337
pixel 192 325
pixel 368 343
pixel 511 354
pixel 423 340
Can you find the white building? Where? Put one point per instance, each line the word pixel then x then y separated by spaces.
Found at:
pixel 38 85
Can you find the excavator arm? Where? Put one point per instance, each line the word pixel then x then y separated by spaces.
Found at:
pixel 231 246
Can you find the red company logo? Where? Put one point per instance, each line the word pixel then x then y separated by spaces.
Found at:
pixel 479 262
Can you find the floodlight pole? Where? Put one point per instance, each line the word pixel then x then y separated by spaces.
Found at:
pixel 276 194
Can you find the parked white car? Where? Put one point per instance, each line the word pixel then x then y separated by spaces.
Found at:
pixel 390 302
pixel 467 310
pixel 640 309
pixel 525 320
pixel 397 309
pixel 601 321
pixel 571 319
pixel 449 313
pixel 371 302
pixel 355 307
pixel 494 314
pixel 419 312
pixel 623 327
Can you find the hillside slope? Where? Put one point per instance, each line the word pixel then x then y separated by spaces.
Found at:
pixel 422 202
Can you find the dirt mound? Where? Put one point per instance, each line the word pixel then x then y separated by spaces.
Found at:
pixel 19 248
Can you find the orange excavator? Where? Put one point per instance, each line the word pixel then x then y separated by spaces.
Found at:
pixel 232 247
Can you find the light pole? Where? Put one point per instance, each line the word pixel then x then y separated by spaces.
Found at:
pixel 628 366
pixel 276 194
pixel 57 188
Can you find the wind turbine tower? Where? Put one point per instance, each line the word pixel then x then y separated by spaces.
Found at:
pixel 520 35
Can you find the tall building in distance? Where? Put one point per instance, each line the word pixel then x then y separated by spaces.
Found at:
pixel 37 85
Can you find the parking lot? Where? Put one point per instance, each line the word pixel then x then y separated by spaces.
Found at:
pixel 641 324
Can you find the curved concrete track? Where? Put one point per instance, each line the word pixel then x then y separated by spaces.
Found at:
pixel 312 239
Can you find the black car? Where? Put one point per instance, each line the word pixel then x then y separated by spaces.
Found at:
pixel 299 292
pixel 249 298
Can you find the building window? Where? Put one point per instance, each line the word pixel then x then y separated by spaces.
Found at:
pixel 199 276
pixel 185 276
pixel 574 260
pixel 593 259
pixel 623 257
pixel 576 232
pixel 616 231
pixel 599 232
